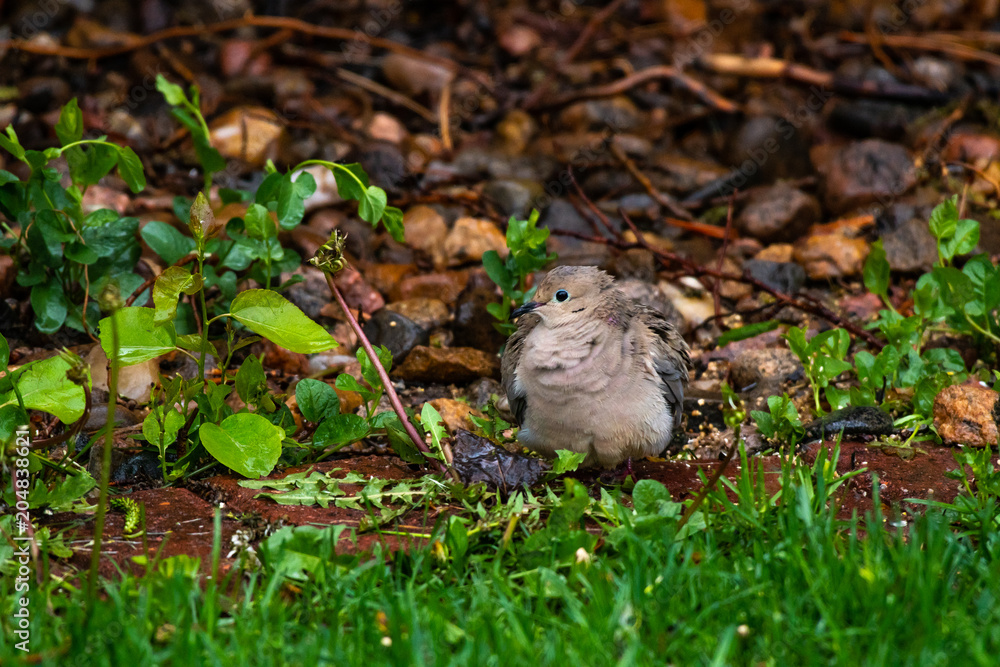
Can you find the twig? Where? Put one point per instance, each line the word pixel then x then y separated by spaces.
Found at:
pixel 390 391
pixel 722 254
pixel 707 95
pixel 662 199
pixel 444 118
pixel 929 43
pixel 388 93
pixel 279 22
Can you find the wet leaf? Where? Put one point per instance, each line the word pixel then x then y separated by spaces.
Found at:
pixel 276 318
pixel 247 443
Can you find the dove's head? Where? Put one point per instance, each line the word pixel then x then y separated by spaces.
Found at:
pixel 568 294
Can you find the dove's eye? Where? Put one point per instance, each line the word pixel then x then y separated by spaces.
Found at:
pixel 562 295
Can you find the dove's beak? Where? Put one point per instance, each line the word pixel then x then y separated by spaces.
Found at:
pixel 524 309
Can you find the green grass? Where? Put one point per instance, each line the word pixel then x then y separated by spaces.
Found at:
pixel 775 581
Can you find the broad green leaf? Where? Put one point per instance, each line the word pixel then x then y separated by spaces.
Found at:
pixel 251 380
pixel 258 223
pixel 392 218
pixel 276 318
pixel 876 270
pixel 291 198
pixel 348 186
pixel 50 306
pixel 139 337
pixel 69 129
pixel 4 353
pixel 944 218
pixel 169 285
pixel 372 204
pixel 11 143
pixel 173 93
pixel 80 253
pixel 167 241
pixel 316 400
pixel 12 417
pixel 347 382
pixel 245 442
pixel 430 419
pixel 130 169
pixel 172 423
pixel 340 430
pixel 44 386
pixel 648 495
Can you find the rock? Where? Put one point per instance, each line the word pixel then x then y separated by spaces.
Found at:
pixel 513 196
pixel 766 148
pixel 387 277
pixel 778 213
pixel 414 76
pixel 826 256
pixel 384 163
pixel 777 252
pixel 618 114
pixel 455 414
pixel 312 294
pixel 967 414
pixel 762 373
pixel 852 421
pixel 39 94
pixel 694 307
pixel 250 134
pixel 786 277
pixel 134 382
pixel 447 365
pixel 474 326
pixel 445 286
pixel 427 313
pixel 398 333
pixel 514 132
pixel 518 40
pixel 974 148
pixel 482 390
pixel 561 215
pixel 470 238
pixel 867 172
pixel 384 127
pixel 358 293
pixel 425 230
pixel 936 73
pixel 908 243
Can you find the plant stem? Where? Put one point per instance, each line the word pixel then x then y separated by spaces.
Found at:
pixel 204 316
pixel 390 391
pixel 102 499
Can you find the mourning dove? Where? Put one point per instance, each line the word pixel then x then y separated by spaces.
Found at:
pixel 592 371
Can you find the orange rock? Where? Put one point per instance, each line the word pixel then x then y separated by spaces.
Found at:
pixel 966 414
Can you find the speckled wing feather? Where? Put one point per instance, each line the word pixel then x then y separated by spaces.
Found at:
pixel 670 359
pixel 508 366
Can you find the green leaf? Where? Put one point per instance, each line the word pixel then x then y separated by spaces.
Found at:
pixel 291 198
pixel 44 386
pixel 11 143
pixel 140 339
pixel 172 423
pixel 316 400
pixel 347 382
pixel 944 218
pixel 372 204
pixel 876 270
pixel 340 430
pixel 69 129
pixel 251 382
pixel 276 318
pixel 245 442
pixel 169 285
pixel 50 306
pixel 4 353
pixel 348 186
pixel 963 241
pixel 747 331
pixel 368 370
pixel 392 218
pixel 130 169
pixel 12 417
pixel 80 253
pixel 173 93
pixel 259 224
pixel 430 419
pixel 167 241
pixel 648 496
pixel 400 440
pixel 567 461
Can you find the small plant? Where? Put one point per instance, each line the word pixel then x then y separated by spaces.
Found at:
pixel 527 254
pixel 781 422
pixel 823 357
